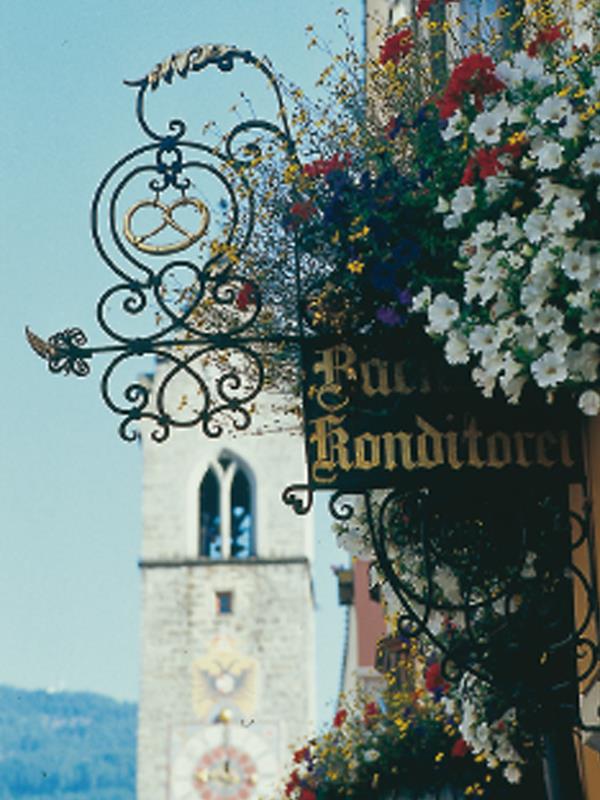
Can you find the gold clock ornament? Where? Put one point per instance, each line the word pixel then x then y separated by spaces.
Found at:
pixel 222 762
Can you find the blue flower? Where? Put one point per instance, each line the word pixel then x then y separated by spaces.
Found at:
pixel 390 317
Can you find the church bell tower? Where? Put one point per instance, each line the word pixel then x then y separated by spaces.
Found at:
pixel 227 674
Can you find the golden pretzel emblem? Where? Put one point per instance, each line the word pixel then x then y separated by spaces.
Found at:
pixel 141 241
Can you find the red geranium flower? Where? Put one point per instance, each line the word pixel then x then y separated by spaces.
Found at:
pixel 474 75
pixel 245 296
pixel 485 163
pixel 371 711
pixel 307 794
pixel 423 7
pixel 459 749
pixel 292 783
pixel 322 167
pixel 396 46
pixel 434 680
pixel 339 718
pixel 303 210
pixel 301 755
pixel 544 38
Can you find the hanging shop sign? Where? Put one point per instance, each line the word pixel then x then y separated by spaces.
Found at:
pixel 380 413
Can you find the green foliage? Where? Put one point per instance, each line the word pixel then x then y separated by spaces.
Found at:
pixel 66 745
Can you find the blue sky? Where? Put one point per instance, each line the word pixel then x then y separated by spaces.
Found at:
pixel 69 487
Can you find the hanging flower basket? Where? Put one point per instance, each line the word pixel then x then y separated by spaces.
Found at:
pixel 527 211
pixel 470 203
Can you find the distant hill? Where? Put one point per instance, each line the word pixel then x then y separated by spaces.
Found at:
pixel 77 746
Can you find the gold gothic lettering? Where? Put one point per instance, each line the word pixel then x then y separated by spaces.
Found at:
pixel 332 448
pixel 425 447
pixel 338 365
pixel 368 451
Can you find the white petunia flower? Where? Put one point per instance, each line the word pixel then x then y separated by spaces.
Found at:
pixel 487 126
pixel 549 156
pixel 522 68
pixel 575 265
pixel 527 338
pixel 456 349
pixel 534 293
pixel 490 287
pixel 530 68
pixel 566 213
pixel 495 186
pixel 542 261
pixel 547 190
pixel 509 228
pixel 548 319
pixel 513 387
pixel 549 370
pixel 484 232
pixel 442 313
pixel 508 74
pixel 421 300
pixel 442 206
pixel 516 114
pixel 453 128
pixel 501 306
pixel 492 362
pixel 559 341
pixel 510 367
pixel 536 226
pixel 371 756
pixel 580 299
pixel 589 160
pixel 463 200
pixel 512 773
pixel 484 380
pixel 452 221
pixel 553 109
pixel 584 363
pixel 590 322
pixel 589 403
pixel 473 280
pixel 484 339
pixel 572 129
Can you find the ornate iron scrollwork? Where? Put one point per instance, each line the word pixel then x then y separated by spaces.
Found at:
pixel 182 295
pixel 513 566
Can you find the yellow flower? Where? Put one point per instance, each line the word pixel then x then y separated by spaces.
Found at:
pixel 439 757
pixel 517 138
pixel 290 172
pixel 355 266
pixel 359 234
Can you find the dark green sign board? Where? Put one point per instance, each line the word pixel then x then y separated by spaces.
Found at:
pixel 382 413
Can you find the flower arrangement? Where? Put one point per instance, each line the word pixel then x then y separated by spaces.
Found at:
pixel 406 743
pixel 472 199
pixel 527 206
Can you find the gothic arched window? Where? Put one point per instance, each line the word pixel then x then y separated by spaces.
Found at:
pixel 226 511
pixel 210 516
pixel 241 516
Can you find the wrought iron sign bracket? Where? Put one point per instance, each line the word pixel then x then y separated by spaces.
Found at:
pixel 179 211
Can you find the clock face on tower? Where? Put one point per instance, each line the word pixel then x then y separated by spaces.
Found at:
pixel 222 762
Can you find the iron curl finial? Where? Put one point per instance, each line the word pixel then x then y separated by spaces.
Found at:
pixel 191 60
